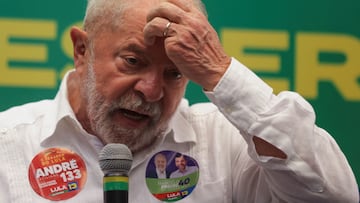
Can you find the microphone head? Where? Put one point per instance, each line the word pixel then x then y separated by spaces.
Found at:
pixel 115 158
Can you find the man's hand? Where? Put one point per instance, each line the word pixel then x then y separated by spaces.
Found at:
pixel 190 41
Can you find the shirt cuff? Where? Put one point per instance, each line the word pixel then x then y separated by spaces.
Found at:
pixel 240 95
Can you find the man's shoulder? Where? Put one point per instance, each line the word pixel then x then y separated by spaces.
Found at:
pixel 198 109
pixel 25 113
pixel 206 112
pixel 204 108
pixel 175 174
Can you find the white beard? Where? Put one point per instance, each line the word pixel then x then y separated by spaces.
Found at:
pixel 100 117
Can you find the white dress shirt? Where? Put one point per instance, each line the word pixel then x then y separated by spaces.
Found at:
pixel 230 170
pixel 161 174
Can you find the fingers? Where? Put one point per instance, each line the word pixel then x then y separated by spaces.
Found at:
pixel 167 28
pixel 178 12
pixel 168 11
pixel 190 41
pixel 185 5
pixel 158 21
pixel 175 10
pixel 158 27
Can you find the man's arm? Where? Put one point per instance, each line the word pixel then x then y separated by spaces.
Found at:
pixel 296 161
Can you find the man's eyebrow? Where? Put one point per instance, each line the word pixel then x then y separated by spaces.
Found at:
pixel 135 48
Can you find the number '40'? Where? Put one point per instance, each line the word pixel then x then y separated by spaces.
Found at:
pixel 184 182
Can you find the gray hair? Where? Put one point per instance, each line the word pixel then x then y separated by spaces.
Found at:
pixel 108 12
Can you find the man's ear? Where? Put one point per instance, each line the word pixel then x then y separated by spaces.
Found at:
pixel 79 40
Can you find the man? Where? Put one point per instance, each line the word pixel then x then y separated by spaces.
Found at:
pixel 133 60
pixel 160 163
pixel 183 168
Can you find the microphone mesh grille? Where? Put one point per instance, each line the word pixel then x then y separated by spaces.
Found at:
pixel 115 158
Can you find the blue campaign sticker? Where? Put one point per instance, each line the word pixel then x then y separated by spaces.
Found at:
pixel 171 176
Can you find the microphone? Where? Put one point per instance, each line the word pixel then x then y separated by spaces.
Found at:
pixel 115 161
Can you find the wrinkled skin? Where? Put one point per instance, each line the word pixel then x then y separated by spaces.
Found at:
pixel 134 68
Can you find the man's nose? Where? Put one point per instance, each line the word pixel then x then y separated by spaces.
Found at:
pixel 151 86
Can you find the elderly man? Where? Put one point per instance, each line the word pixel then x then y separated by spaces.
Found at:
pixel 133 60
pixel 159 171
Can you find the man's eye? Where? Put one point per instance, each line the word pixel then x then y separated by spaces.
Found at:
pixel 174 74
pixel 131 60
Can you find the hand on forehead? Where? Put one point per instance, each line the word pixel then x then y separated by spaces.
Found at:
pixel 184 13
pixel 172 10
pixel 190 41
pixel 185 5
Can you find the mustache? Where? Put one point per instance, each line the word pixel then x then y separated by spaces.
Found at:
pixel 133 102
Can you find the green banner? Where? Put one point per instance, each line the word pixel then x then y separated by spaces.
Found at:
pixel 311 47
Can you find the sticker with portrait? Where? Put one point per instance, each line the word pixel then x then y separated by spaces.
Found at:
pixel 171 176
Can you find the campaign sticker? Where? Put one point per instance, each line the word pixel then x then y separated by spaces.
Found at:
pixel 171 176
pixel 57 174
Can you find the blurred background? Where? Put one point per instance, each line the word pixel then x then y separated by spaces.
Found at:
pixel 311 47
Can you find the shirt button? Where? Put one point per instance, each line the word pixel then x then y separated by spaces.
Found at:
pixel 318 188
pixel 228 110
pixel 3 131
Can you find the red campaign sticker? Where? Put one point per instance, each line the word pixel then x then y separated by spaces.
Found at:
pixel 57 174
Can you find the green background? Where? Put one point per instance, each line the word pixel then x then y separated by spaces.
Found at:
pixel 337 115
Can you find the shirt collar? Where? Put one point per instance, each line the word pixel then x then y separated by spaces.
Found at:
pixel 179 131
pixel 60 111
pixel 180 124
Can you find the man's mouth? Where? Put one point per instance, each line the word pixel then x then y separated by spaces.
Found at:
pixel 133 115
